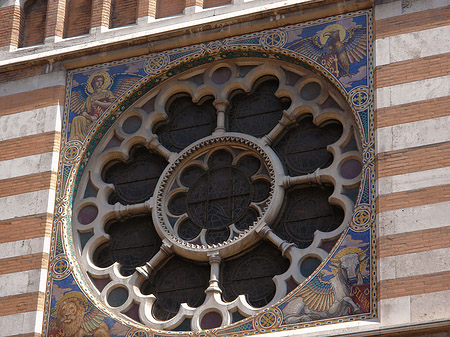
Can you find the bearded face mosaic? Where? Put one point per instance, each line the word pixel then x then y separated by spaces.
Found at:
pixel 225 188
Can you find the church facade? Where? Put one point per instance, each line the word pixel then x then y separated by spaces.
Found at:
pixel 219 168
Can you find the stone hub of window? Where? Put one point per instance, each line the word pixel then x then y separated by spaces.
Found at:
pixel 215 195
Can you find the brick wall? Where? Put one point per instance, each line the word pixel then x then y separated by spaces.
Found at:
pixel 169 8
pixel 413 160
pixel 78 17
pixel 123 12
pixel 33 30
pixel 30 135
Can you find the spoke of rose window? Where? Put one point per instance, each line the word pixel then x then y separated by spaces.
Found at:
pixel 310 178
pixel 134 209
pixel 164 252
pixel 220 105
pixel 283 246
pixel 152 142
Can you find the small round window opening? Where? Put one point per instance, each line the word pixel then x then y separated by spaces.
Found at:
pixel 217 194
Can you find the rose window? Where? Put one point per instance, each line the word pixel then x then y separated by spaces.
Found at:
pixel 216 194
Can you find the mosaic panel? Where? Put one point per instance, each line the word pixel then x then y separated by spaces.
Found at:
pixel 339 49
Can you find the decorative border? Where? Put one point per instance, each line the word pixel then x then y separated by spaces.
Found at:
pixel 128 80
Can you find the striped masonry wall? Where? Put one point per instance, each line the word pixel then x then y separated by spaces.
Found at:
pixel 30 131
pixel 412 47
pixel 412 50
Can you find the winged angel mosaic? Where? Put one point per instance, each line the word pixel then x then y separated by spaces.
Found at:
pixel 342 288
pixel 90 100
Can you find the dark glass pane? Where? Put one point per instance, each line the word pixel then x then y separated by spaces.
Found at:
pixel 102 256
pixel 87 214
pixel 249 165
pixel 306 210
pixel 133 242
pixel 261 190
pixel 351 169
pixel 310 91
pixel 211 320
pixel 188 230
pixel 190 175
pixel 117 297
pixel 219 197
pixel 178 281
pixel 221 75
pixel 187 122
pixel 220 158
pixel 177 204
pixel 352 193
pixel 136 179
pixel 251 274
pixel 303 148
pixel 237 316
pixel 131 124
pixel 84 238
pixel 90 190
pixel 258 112
pixel 309 265
pixel 247 220
pixel 217 236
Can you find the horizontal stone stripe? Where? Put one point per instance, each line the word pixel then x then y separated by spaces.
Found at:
pixel 415 285
pixel 412 160
pixel 414 264
pixel 23 282
pixel 25 235
pixel 30 122
pixel 414 180
pixel 28 183
pixel 412 70
pixel 25 247
pixel 414 134
pixel 391 19
pixel 413 242
pixel 30 145
pixel 22 263
pixel 25 101
pixel 21 303
pixel 412 219
pixel 414 45
pixel 412 112
pixel 54 79
pixel 419 197
pixel 29 165
pixel 413 91
pixel 20 324
pixel 27 204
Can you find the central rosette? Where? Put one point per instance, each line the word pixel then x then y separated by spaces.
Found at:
pixel 216 193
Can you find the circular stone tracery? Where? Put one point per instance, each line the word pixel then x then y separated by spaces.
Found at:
pixel 248 187
pixel 217 190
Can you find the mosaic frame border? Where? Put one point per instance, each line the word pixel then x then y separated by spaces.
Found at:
pixel 155 69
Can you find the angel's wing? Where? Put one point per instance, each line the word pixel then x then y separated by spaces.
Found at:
pixel 310 47
pixel 123 82
pixel 355 43
pixel 318 295
pixel 92 319
pixel 77 100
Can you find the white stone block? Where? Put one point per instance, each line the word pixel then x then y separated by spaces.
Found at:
pixel 412 219
pixel 31 122
pixel 414 181
pixel 23 282
pixel 22 166
pixel 25 323
pixel 56 77
pixel 25 247
pixel 414 134
pixel 387 10
pixel 422 263
pixel 27 204
pixel 395 311
pixel 430 307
